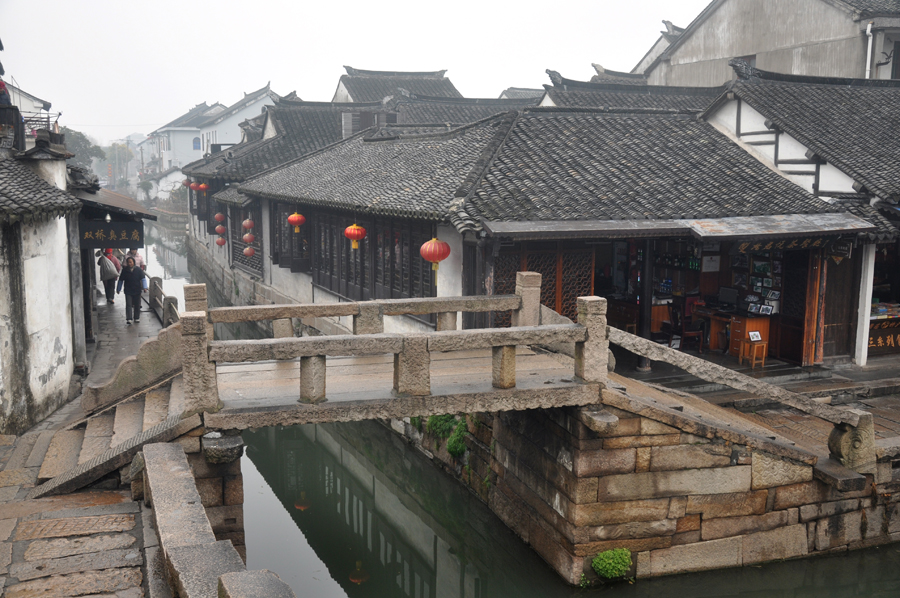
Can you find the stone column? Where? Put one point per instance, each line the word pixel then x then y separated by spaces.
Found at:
pixel 864 308
pixel 591 356
pixel 283 328
pixel 201 392
pixel 370 319
pixel 854 446
pixel 312 379
pixel 446 320
pixel 528 287
pixel 170 311
pixel 412 367
pixel 504 366
pixel 195 301
pixel 155 298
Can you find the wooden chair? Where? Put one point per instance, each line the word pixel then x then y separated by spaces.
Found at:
pixel 678 326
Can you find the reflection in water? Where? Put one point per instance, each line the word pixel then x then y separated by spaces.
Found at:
pixel 166 255
pixel 320 499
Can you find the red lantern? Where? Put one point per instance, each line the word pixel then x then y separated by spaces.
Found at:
pixel 186 182
pixel 220 217
pixel 355 233
pixel 220 230
pixel 221 241
pixel 194 186
pixel 296 220
pixel 302 504
pixel 202 186
pixel 359 575
pixel 248 238
pixel 248 224
pixel 435 251
pixel 249 251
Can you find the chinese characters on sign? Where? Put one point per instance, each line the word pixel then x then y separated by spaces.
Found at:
pixel 783 245
pixel 111 234
pixel 884 337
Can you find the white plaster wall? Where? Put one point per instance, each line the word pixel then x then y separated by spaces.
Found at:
pixel 832 179
pixel 341 94
pixel 449 274
pixel 228 130
pixel 181 148
pixel 48 309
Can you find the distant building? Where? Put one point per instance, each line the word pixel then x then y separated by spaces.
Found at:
pixel 374 86
pixel 567 93
pixel 520 93
pixel 804 37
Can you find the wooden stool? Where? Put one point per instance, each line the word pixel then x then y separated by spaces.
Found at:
pixel 750 350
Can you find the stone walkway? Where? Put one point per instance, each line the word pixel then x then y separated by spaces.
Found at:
pixel 115 340
pixel 86 543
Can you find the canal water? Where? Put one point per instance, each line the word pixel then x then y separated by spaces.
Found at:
pixel 352 510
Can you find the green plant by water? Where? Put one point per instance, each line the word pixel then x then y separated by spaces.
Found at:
pixel 612 564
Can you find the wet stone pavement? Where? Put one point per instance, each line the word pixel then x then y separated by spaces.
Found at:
pixel 93 542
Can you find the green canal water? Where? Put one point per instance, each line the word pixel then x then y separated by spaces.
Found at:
pixel 320 498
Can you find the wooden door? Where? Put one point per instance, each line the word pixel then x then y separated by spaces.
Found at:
pixel 791 322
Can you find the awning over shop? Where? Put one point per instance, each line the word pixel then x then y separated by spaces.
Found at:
pixel 230 196
pixel 115 203
pixel 788 227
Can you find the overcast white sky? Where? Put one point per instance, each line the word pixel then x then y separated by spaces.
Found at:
pixel 115 67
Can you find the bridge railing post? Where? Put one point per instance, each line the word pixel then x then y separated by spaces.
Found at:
pixel 503 366
pixel 412 367
pixel 446 320
pixel 201 390
pixel 170 311
pixel 283 328
pixel 370 319
pixel 156 294
pixel 591 356
pixel 312 379
pixel 195 300
pixel 528 287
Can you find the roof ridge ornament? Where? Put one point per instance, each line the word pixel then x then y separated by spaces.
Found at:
pixel 743 68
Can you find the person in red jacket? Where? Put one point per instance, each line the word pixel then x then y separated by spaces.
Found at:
pixel 110 267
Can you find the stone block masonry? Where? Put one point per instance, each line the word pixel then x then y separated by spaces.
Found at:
pixel 681 496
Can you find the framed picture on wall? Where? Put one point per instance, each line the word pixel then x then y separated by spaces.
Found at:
pixel 765 310
pixel 773 295
pixel 777 282
pixel 761 267
pixel 739 260
pixel 739 279
pixel 753 308
pixel 767 282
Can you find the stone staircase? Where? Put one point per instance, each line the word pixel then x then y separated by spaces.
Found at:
pixel 95 449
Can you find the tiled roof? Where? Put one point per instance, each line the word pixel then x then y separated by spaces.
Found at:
pixel 247 100
pixel 887 231
pixel 588 165
pixel 419 110
pixel 874 8
pixel 521 93
pixel 850 123
pixel 607 76
pixel 374 86
pixel 193 117
pixel 302 127
pixel 26 196
pixel 544 165
pixel 414 177
pixel 566 93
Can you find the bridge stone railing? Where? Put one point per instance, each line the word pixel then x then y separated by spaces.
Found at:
pixel 412 351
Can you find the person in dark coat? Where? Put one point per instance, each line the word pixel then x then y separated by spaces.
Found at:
pixel 109 274
pixel 132 279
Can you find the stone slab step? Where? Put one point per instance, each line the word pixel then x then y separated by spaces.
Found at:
pixel 21 451
pixel 196 569
pixel 176 396
pixel 115 457
pixel 39 451
pixel 156 407
pixel 129 422
pixel 97 435
pixel 62 454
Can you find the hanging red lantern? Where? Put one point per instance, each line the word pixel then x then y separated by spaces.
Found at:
pixel 194 186
pixel 221 241
pixel 220 230
pixel 355 233
pixel 302 504
pixel 248 224
pixel 186 182
pixel 359 575
pixel 249 251
pixel 435 251
pixel 202 186
pixel 296 220
pixel 220 217
pixel 248 238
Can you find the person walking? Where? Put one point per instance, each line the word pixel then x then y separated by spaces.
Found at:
pixel 109 272
pixel 132 279
pixel 138 260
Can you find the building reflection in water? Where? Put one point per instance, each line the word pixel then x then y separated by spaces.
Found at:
pixel 359 494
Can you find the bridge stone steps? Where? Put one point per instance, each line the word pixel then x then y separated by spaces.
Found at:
pixel 156 407
pixel 129 421
pixel 21 451
pixel 62 454
pixel 39 450
pixel 97 436
pixel 176 396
